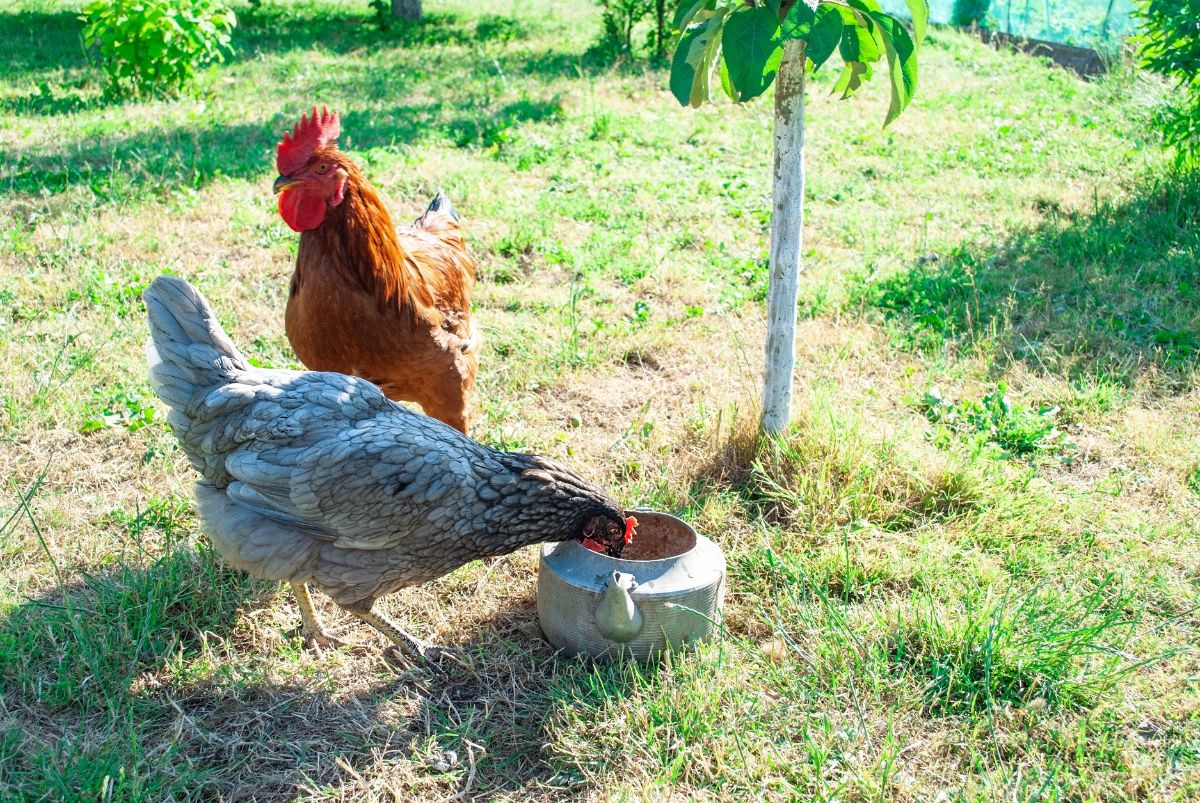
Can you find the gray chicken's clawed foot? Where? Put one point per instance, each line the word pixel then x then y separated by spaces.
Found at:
pixel 423 654
pixel 320 641
pixel 406 647
pixel 439 655
pixel 315 636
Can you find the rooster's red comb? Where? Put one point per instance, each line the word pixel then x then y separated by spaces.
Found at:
pixel 308 135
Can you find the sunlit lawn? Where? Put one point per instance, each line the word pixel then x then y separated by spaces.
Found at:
pixel 970 570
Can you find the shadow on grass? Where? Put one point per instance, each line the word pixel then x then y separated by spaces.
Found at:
pixel 1110 295
pixel 283 29
pixel 448 61
pixel 42 53
pixel 33 43
pixel 120 164
pixel 72 660
pixel 419 730
pixel 154 160
pixel 120 686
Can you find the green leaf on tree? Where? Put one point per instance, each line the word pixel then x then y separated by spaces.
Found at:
pixel 858 14
pixel 919 9
pixel 798 21
pixel 854 74
pixel 688 11
pixel 692 66
pixel 743 44
pixel 902 62
pixel 858 44
pixel 825 36
pixel 753 48
pixel 723 71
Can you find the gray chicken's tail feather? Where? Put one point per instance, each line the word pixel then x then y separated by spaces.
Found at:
pixel 188 350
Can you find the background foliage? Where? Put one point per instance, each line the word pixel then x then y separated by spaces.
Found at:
pixel 969 12
pixel 1170 45
pixel 156 46
pixel 1102 24
pixel 621 22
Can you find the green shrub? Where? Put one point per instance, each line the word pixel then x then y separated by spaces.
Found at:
pixel 969 12
pixel 155 46
pixel 619 19
pixel 1169 44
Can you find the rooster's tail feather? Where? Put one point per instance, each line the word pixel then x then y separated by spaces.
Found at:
pixel 441 203
pixel 474 338
pixel 188 350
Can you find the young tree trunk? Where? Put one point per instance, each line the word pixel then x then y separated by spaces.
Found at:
pixel 660 28
pixel 787 229
pixel 407 9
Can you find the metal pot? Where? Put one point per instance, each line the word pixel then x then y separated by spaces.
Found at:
pixel 592 604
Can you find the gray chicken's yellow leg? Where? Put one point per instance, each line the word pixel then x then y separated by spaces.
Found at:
pixel 405 642
pixel 310 621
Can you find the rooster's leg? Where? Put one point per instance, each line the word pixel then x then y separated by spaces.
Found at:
pixel 405 642
pixel 310 621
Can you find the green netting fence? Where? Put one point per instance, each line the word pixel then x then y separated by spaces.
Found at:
pixel 1099 24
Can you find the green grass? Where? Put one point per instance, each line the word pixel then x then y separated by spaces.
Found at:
pixel 1069 294
pixel 988 592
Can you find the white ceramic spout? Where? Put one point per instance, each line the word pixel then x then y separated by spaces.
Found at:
pixel 617 615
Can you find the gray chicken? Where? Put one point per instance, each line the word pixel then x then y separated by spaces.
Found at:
pixel 317 478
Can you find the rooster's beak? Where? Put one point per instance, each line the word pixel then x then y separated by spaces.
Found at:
pixel 284 182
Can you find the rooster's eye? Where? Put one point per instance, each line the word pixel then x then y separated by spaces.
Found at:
pixel 323 167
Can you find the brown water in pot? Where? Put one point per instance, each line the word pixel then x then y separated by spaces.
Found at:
pixel 656 539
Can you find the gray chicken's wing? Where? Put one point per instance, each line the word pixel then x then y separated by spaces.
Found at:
pixel 331 454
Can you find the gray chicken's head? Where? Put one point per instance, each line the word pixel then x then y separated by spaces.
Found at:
pixel 556 504
pixel 608 535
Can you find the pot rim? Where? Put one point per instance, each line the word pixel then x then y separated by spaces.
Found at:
pixel 643 511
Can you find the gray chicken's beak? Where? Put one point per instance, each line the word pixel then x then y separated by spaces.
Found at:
pixel 283 182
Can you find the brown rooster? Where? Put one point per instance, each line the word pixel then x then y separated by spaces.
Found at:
pixel 318 478
pixel 392 306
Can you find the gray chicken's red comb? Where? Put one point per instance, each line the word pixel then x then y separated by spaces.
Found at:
pixel 308 135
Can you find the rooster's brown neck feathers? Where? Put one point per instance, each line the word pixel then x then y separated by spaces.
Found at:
pixel 358 240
